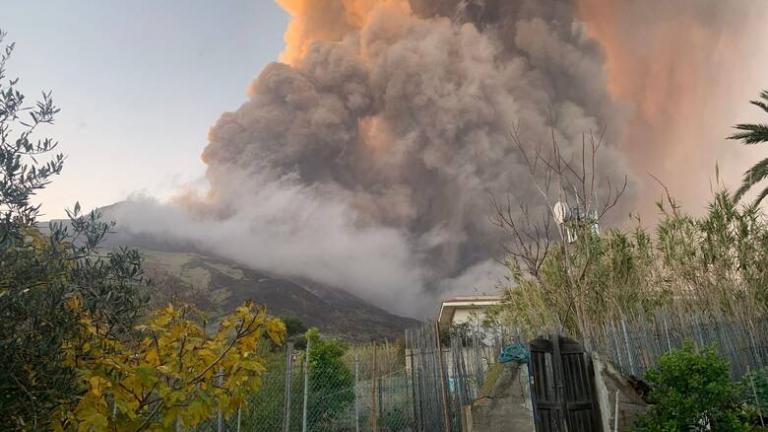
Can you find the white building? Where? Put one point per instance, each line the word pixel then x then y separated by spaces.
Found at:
pixel 462 309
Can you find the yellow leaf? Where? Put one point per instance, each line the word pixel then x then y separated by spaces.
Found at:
pixel 97 385
pixel 125 368
pixel 153 358
pixel 73 303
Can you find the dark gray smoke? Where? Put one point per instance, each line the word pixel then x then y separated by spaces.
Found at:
pixel 366 159
pixel 403 118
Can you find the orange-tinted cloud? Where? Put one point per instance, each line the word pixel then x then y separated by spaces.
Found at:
pixel 683 67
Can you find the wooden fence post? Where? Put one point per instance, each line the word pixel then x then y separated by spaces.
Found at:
pixel 443 385
pixel 288 388
pixel 304 427
pixel 374 411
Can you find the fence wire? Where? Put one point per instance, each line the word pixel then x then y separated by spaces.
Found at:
pixel 447 372
pixel 369 390
pixel 427 384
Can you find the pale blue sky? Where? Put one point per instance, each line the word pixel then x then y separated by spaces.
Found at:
pixel 139 83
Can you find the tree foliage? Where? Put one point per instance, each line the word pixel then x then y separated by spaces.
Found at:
pixel 570 277
pixel 692 391
pixel 331 381
pixel 38 274
pixel 557 267
pixel 174 372
pixel 755 392
pixel 754 133
pixel 294 326
pixel 21 174
pixel 714 263
pixel 40 269
pixel 74 354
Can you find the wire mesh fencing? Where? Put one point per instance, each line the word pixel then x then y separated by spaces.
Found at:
pixel 365 389
pixel 447 372
pixel 427 384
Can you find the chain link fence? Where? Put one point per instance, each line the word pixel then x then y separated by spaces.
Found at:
pixel 447 372
pixel 361 390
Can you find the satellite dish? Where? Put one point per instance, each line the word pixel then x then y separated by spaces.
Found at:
pixel 560 211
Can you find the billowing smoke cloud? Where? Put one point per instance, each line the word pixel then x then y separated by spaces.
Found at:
pixel 406 117
pixel 367 157
pixel 289 229
pixel 686 68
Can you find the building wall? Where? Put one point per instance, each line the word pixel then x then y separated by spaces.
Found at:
pixel 461 316
pixel 474 316
pixel 619 402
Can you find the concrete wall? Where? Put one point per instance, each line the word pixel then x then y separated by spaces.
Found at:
pixel 615 391
pixel 505 400
pixel 504 404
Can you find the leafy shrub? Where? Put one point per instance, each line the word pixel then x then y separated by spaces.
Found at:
pixel 719 260
pixel 332 383
pixel 396 420
pixel 173 372
pixel 755 390
pixel 692 391
pixel 293 326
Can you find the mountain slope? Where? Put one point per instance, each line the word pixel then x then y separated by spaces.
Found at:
pixel 221 285
pixel 182 272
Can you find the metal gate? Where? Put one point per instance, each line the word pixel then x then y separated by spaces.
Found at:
pixel 563 386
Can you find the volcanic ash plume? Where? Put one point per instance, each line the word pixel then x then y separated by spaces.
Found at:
pixel 402 114
pixel 366 157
